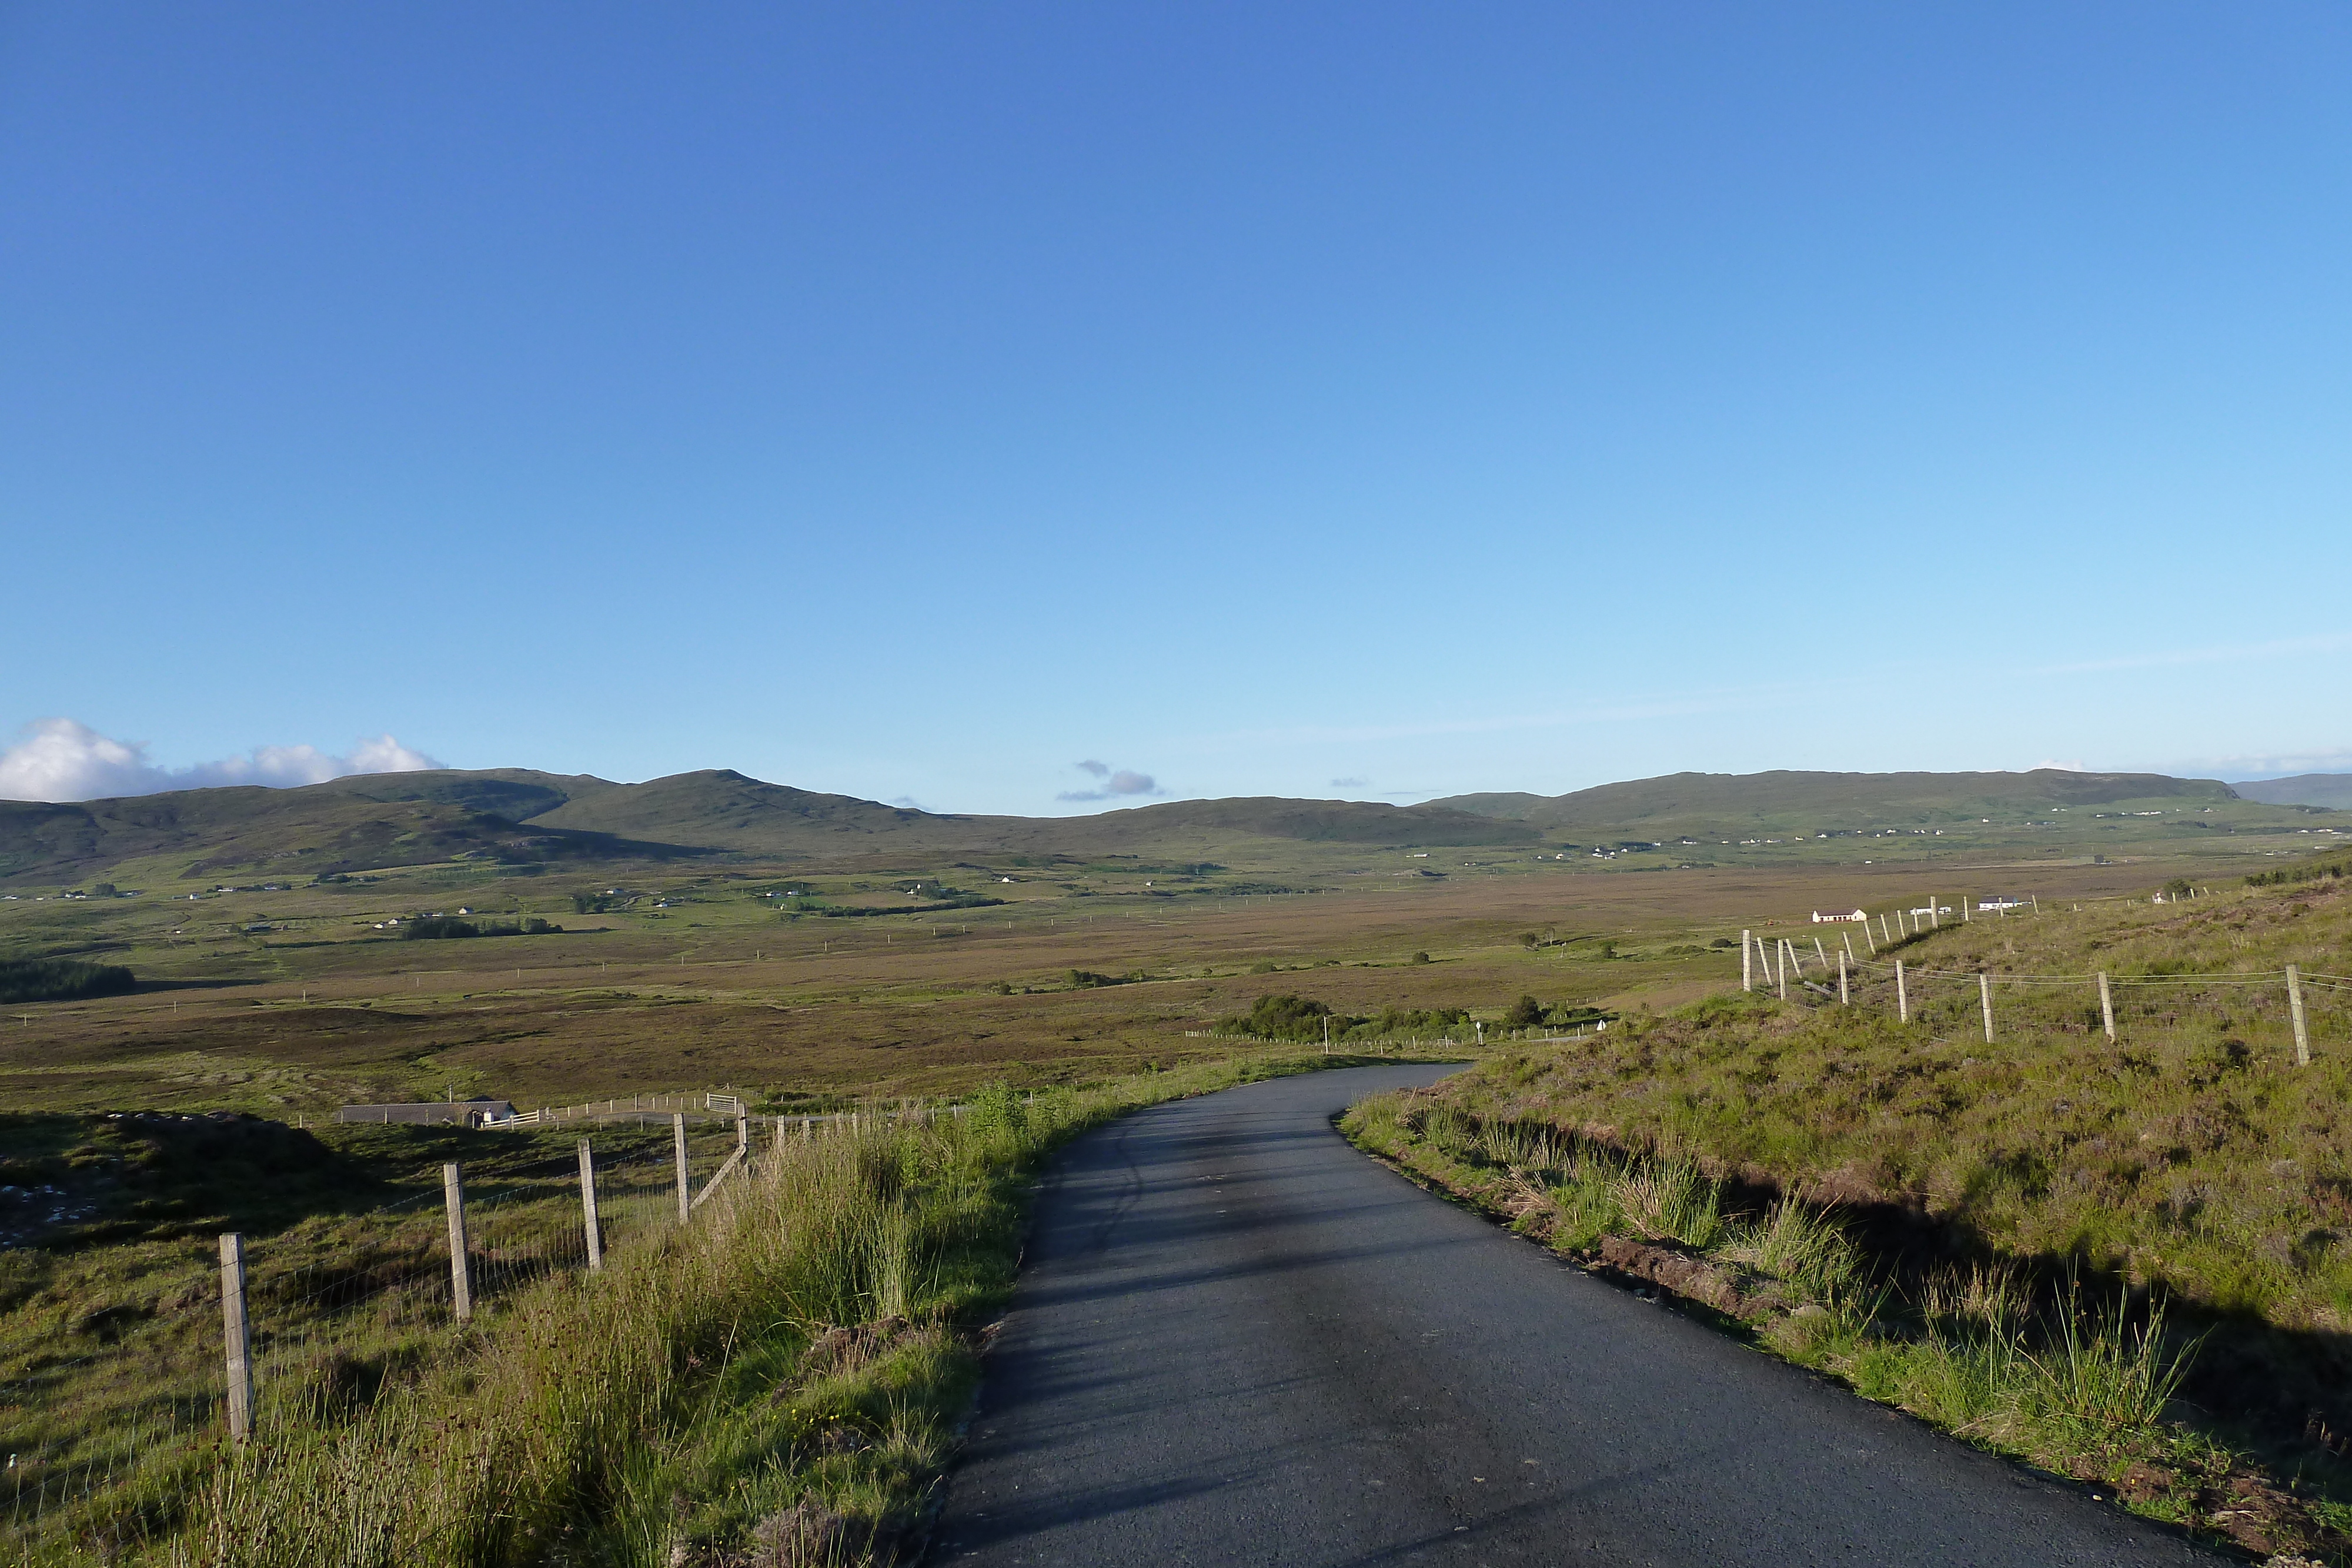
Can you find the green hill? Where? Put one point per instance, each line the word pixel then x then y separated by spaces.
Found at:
pixel 302 832
pixel 1719 803
pixel 514 816
pixel 2333 790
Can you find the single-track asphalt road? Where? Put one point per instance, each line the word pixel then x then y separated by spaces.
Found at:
pixel 1236 1340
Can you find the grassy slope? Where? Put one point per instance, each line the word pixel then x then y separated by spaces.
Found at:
pixel 2192 1162
pixel 2333 790
pixel 780 1377
pixel 1837 800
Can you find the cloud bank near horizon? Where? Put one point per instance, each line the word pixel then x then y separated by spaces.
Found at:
pixel 59 759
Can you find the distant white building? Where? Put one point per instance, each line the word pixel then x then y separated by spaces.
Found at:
pixel 1998 903
pixel 1822 916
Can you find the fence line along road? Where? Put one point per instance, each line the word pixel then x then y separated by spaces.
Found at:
pixel 1784 960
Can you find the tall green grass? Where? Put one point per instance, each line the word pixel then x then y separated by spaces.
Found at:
pixel 775 1382
pixel 2061 1380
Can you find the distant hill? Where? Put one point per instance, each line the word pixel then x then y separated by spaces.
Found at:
pixel 721 808
pixel 1313 821
pixel 294 833
pixel 517 816
pixel 2331 789
pixel 1730 802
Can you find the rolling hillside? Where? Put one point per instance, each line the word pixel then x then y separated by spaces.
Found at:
pixel 516 816
pixel 1718 803
pixel 2330 789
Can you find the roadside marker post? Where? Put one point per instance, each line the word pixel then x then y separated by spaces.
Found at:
pixel 461 1273
pixel 2106 1004
pixel 2294 1007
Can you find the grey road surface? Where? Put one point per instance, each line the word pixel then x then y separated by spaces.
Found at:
pixel 1238 1341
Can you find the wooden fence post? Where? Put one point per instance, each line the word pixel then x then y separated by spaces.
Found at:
pixel 1747 963
pixel 742 1133
pixel 1867 937
pixel 685 1195
pixel 588 1207
pixel 2106 1004
pixel 237 1340
pixel 2294 1007
pixel 1902 995
pixel 461 1274
pixel 1844 999
pixel 1984 994
pixel 1820 952
pixel 1780 956
pixel 780 1137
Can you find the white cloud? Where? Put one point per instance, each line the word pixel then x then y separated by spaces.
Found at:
pixel 1350 783
pixel 64 760
pixel 1115 782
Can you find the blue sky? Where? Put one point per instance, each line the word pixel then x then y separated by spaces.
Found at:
pixel 921 402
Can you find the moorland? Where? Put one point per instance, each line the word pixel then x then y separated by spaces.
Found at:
pixel 718 932
pixel 551 941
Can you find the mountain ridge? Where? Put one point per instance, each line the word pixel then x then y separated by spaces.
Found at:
pixel 517 815
pixel 521 816
pixel 1781 798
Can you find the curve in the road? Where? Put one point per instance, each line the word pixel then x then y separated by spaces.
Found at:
pixel 1236 1340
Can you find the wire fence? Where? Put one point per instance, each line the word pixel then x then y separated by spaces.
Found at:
pixel 111 1407
pixel 2291 1008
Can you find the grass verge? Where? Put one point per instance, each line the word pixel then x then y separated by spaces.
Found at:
pixel 2072 1378
pixel 776 1382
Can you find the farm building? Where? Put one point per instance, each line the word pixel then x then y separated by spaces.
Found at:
pixel 1820 915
